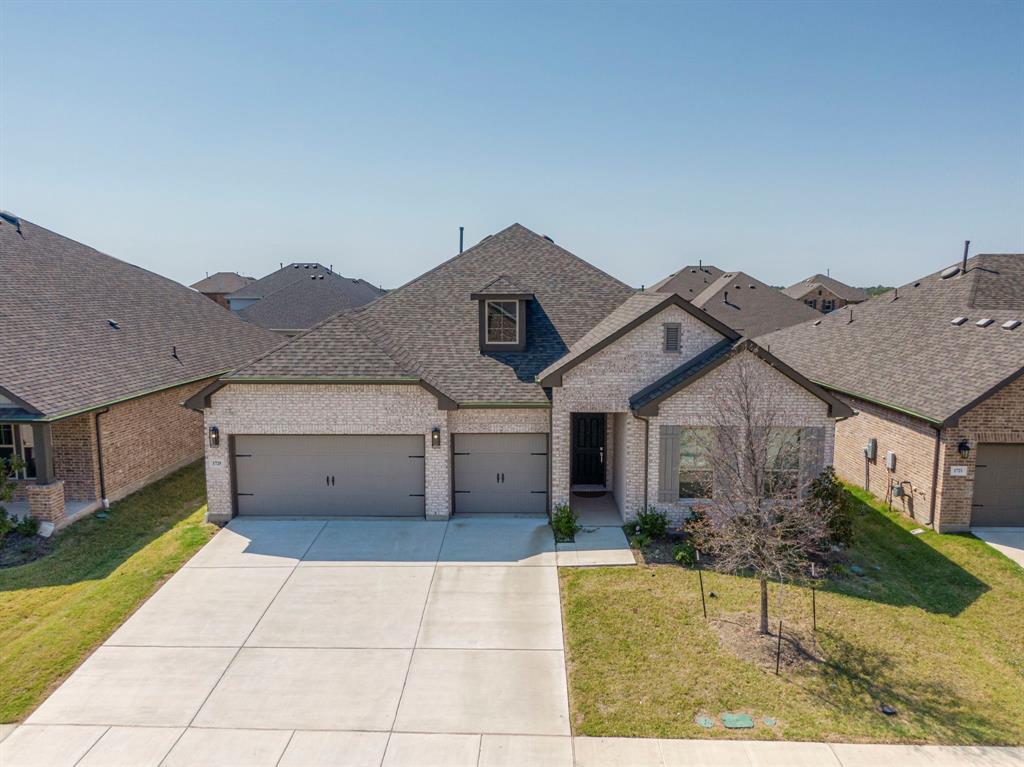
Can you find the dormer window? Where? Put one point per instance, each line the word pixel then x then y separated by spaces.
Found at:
pixel 502 322
pixel 503 315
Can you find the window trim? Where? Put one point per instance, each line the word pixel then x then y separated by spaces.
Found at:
pixel 487 328
pixel 17 446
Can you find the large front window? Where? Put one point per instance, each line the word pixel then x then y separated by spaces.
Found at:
pixel 783 461
pixel 502 322
pixel 16 440
pixel 696 479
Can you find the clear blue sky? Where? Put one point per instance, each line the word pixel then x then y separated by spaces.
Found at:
pixel 781 139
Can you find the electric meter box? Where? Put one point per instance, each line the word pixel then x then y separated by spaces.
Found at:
pixel 890 461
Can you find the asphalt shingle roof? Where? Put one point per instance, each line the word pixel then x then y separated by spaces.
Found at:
pixel 841 289
pixel 305 302
pixel 901 348
pixel 221 282
pixel 428 328
pixel 749 306
pixel 60 354
pixel 688 281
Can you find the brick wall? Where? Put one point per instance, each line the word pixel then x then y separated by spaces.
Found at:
pixel 913 441
pixel 689 407
pixel 351 409
pixel 145 438
pixel 74 457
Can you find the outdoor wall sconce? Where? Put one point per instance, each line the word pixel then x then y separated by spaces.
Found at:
pixel 214 436
pixel 964 448
pixel 435 437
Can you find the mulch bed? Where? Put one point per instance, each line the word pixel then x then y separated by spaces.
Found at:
pixel 19 549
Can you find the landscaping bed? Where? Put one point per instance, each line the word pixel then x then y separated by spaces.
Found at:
pixel 930 625
pixel 54 611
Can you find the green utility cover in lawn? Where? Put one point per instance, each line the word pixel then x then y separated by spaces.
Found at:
pixel 737 721
pixel 705 721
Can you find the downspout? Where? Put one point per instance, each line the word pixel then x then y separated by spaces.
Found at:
pixel 935 476
pixel 647 453
pixel 99 460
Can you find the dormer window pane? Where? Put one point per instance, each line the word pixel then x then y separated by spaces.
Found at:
pixel 502 322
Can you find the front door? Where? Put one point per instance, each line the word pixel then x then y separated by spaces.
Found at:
pixel 588 431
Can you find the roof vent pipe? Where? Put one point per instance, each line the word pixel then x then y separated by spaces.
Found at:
pixel 967 245
pixel 851 316
pixel 462 230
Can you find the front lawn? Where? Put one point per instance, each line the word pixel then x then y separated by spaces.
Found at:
pixel 934 627
pixel 56 610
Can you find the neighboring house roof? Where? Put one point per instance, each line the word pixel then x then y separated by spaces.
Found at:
pixel 688 281
pixel 636 310
pixel 501 287
pixel 427 329
pixel 307 302
pixel 749 306
pixel 902 349
pixel 646 401
pixel 222 282
pixel 846 292
pixel 286 275
pixel 82 329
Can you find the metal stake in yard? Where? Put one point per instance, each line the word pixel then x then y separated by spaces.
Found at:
pixel 778 650
pixel 700 577
pixel 814 602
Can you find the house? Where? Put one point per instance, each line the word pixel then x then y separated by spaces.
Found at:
pixel 933 369
pixel 217 286
pixel 98 356
pixel 511 378
pixel 825 294
pixel 689 281
pixel 298 296
pixel 747 305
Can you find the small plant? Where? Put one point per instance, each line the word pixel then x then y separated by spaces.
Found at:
pixel 640 540
pixel 565 523
pixel 6 525
pixel 652 523
pixel 685 553
pixel 27 527
pixel 9 468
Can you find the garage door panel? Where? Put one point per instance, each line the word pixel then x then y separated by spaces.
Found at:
pixel 998 486
pixel 330 475
pixel 500 473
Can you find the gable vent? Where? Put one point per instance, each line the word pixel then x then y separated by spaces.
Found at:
pixel 984 322
pixel 672 338
pixel 958 321
pixel 1010 324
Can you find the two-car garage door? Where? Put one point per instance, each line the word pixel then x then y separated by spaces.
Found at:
pixel 999 486
pixel 357 475
pixel 330 475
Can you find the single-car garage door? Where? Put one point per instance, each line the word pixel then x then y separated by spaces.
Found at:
pixel 501 473
pixel 998 486
pixel 329 476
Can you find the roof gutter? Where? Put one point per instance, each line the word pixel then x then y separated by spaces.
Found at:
pixel 201 399
pixel 873 401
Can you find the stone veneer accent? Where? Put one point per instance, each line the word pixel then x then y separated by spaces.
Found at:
pixel 46 502
pixel 999 419
pixel 350 409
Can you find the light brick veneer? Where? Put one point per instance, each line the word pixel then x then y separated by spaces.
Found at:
pixel 46 502
pixel 350 409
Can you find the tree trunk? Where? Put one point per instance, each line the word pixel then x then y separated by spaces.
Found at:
pixel 764 606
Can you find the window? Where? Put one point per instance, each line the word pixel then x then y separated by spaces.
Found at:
pixel 17 441
pixel 696 478
pixel 502 322
pixel 672 337
pixel 827 305
pixel 812 302
pixel 782 468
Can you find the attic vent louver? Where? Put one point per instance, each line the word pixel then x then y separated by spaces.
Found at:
pixel 1010 324
pixel 952 271
pixel 984 322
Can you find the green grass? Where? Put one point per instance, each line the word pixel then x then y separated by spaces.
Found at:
pixel 935 628
pixel 56 610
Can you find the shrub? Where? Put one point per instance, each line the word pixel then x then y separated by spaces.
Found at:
pixel 27 527
pixel 685 553
pixel 827 497
pixel 639 540
pixel 652 523
pixel 6 525
pixel 565 523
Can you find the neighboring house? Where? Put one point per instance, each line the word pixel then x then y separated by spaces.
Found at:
pixel 825 294
pixel 97 357
pixel 499 381
pixel 747 305
pixel 298 296
pixel 689 281
pixel 217 286
pixel 933 369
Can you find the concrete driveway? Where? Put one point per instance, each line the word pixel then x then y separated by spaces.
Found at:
pixel 1006 540
pixel 309 643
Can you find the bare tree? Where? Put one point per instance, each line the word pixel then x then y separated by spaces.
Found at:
pixel 755 520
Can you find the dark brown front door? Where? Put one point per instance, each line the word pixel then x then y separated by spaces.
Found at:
pixel 588 448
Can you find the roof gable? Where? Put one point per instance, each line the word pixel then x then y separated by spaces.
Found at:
pixel 750 306
pixel 841 289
